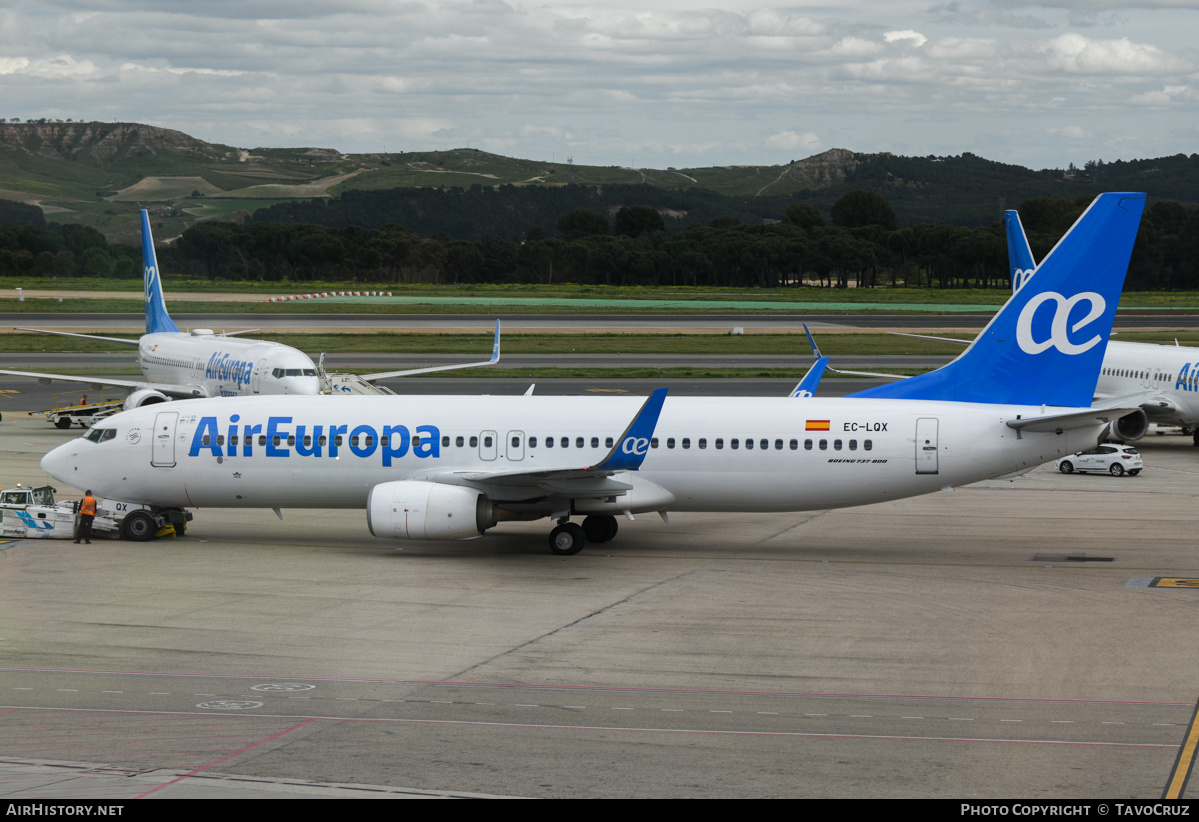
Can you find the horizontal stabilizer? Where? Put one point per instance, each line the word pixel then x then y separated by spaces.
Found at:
pixel 80 336
pixel 1057 423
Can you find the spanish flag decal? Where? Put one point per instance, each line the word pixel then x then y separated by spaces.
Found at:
pixel 817 425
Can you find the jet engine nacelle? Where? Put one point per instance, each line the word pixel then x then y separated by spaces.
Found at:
pixel 144 396
pixel 1127 429
pixel 412 509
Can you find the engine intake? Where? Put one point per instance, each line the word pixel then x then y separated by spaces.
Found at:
pixel 144 396
pixel 413 509
pixel 1127 429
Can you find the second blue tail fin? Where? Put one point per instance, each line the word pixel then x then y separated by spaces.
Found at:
pixel 157 318
pixel 1046 345
pixel 1019 255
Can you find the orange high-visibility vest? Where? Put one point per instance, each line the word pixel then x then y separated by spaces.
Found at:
pixel 87 506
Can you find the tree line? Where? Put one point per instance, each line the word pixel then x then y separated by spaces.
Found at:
pixel 864 246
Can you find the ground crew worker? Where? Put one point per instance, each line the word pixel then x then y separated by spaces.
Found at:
pixel 87 513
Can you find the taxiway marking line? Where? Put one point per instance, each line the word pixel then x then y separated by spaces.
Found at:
pixel 1184 764
pixel 579 688
pixel 602 728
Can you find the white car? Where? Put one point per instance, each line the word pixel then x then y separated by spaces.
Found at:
pixel 1114 459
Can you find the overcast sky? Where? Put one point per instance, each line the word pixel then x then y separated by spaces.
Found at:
pixel 620 82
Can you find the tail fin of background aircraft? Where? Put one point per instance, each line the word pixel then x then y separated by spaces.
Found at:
pixel 1019 255
pixel 1046 344
pixel 157 318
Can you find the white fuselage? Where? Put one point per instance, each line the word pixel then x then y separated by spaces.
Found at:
pixel 219 366
pixel 1172 371
pixel 330 452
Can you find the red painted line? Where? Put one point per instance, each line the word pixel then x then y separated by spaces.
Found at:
pixel 224 758
pixel 13 711
pixel 617 688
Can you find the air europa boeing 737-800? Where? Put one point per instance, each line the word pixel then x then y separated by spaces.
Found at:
pixel 434 467
pixel 182 365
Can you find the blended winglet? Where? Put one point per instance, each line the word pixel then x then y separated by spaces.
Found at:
pixel 157 318
pixel 630 449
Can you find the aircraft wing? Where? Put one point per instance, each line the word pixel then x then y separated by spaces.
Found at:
pixel 182 392
pixel 581 481
pixel 930 337
pixel 495 357
pixel 80 336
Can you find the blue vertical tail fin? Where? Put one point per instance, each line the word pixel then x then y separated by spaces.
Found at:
pixel 1019 255
pixel 1046 345
pixel 157 318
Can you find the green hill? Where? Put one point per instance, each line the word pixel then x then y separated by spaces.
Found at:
pixel 100 174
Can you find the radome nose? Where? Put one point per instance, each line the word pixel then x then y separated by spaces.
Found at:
pixel 60 462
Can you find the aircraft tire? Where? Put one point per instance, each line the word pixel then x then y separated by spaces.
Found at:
pixel 600 528
pixel 138 527
pixel 1066 468
pixel 567 539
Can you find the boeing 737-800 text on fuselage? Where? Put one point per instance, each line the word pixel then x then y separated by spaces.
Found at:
pixel 430 467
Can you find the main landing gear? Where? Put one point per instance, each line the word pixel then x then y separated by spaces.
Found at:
pixel 569 538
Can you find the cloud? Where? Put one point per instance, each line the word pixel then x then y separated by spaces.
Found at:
pixel 1075 53
pixel 1068 132
pixel 914 37
pixel 621 82
pixel 793 140
pixel 1165 96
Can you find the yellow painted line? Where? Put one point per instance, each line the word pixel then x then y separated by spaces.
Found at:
pixel 1185 763
pixel 1175 582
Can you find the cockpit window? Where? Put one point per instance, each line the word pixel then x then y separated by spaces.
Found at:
pixel 278 373
pixel 100 434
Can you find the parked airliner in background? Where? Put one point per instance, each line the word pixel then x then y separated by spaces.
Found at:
pixel 181 365
pixel 451 467
pixel 1170 373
